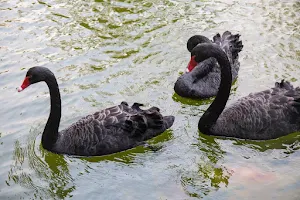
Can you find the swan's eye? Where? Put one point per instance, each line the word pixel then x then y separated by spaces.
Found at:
pixel 31 77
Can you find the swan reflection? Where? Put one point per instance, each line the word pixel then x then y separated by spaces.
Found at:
pixel 43 175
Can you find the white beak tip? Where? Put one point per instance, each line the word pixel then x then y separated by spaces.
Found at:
pixel 19 89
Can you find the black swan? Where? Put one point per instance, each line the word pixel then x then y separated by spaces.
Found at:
pixel 108 131
pixel 202 80
pixel 264 115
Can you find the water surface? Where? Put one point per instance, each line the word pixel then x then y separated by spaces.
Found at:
pixel 104 52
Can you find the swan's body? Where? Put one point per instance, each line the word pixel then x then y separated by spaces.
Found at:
pixel 264 115
pixel 203 80
pixel 108 131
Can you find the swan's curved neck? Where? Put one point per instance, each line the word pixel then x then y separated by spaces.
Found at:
pixel 50 133
pixel 211 115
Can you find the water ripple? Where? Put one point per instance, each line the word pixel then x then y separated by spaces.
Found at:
pixel 104 52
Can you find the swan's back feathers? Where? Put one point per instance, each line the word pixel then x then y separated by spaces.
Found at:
pixel 264 115
pixel 112 130
pixel 229 43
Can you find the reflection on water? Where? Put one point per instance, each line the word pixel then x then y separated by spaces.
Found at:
pixel 208 175
pixel 44 174
pixel 211 173
pixel 128 156
pixel 194 102
pixel 104 52
pixel 289 143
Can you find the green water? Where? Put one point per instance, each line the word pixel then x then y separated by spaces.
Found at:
pixel 104 52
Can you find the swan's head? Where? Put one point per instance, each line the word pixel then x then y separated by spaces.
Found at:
pixel 191 44
pixel 35 75
pixel 200 53
pixel 195 40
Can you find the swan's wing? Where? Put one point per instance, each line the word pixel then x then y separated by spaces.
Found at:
pixel 200 82
pixel 133 121
pixel 203 69
pixel 264 115
pixel 128 119
pixel 110 130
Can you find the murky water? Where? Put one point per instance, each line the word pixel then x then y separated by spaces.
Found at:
pixel 104 52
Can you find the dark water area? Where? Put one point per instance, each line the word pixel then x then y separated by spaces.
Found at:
pixel 105 52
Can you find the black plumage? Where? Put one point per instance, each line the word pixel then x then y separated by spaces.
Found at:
pixel 259 116
pixel 107 131
pixel 204 79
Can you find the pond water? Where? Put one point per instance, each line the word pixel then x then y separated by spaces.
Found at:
pixel 104 52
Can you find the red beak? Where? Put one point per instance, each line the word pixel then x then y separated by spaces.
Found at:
pixel 192 64
pixel 24 85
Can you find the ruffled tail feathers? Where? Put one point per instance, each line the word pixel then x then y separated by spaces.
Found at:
pixel 151 118
pixel 156 120
pixel 229 42
pixel 284 84
pixel 136 106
